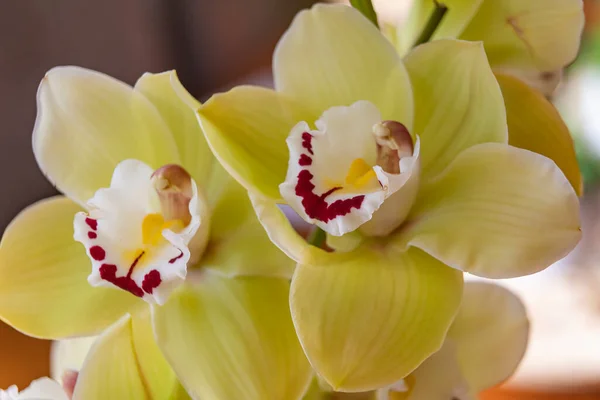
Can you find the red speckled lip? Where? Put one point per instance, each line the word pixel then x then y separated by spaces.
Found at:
pixel 108 272
pixel 316 206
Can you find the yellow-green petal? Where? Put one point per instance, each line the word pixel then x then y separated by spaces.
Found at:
pixel 157 374
pixel 282 233
pixel 545 82
pixel 438 378
pixel 87 123
pixel 126 363
pixel 497 211
pixel 239 245
pixel 538 34
pixel 491 329
pixel 534 124
pixel 316 392
pixel 111 369
pixel 246 128
pixel 333 56
pixel 459 14
pixel 458 102
pixel 178 109
pixel 231 339
pixel 368 318
pixel 44 290
pixel 484 346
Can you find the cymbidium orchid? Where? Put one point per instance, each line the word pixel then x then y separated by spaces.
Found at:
pixel 405 163
pixel 154 248
pixel 483 348
pixel 531 39
pixel 528 43
pixel 39 389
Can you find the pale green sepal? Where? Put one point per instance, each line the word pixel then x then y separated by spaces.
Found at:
pixel 232 339
pixel 367 318
pixel 458 102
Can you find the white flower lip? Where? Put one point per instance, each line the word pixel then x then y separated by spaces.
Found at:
pixel 333 180
pixel 131 244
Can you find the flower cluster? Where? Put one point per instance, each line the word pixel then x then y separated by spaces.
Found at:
pixel 416 158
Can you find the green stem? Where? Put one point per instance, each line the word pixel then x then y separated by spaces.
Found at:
pixel 432 24
pixel 366 8
pixel 317 237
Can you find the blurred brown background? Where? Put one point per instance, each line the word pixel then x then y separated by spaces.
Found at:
pixel 212 44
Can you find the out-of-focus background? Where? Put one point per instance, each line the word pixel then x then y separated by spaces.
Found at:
pixel 216 44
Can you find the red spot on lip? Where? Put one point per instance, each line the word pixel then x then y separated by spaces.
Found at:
pixel 172 260
pixel 305 160
pixel 108 272
pixel 92 235
pixel 97 253
pixel 316 206
pixel 151 281
pixel 92 223
pixel 307 142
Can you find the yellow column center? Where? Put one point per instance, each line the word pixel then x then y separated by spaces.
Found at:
pixel 153 225
pixel 360 174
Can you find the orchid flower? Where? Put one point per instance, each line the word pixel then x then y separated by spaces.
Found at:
pixel 484 346
pixel 531 39
pixel 153 248
pixel 40 389
pixel 406 165
pixel 528 43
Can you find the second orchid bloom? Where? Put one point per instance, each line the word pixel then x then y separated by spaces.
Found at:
pixel 406 164
pixel 175 274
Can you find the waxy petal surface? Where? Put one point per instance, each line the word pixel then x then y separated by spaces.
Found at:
pixel 438 378
pixel 333 56
pixel 544 35
pixel 498 212
pixel 239 245
pixel 44 290
pixel 282 233
pixel 458 102
pixel 178 109
pixel 158 376
pixel 246 128
pixel 233 339
pixel 535 124
pixel 491 329
pixel 368 318
pixel 88 122
pixel 111 369
pixel 126 363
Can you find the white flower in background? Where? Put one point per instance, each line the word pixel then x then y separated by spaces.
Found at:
pixel 68 355
pixel 40 389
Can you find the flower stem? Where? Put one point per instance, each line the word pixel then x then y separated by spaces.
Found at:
pixel 366 8
pixel 434 21
pixel 317 237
